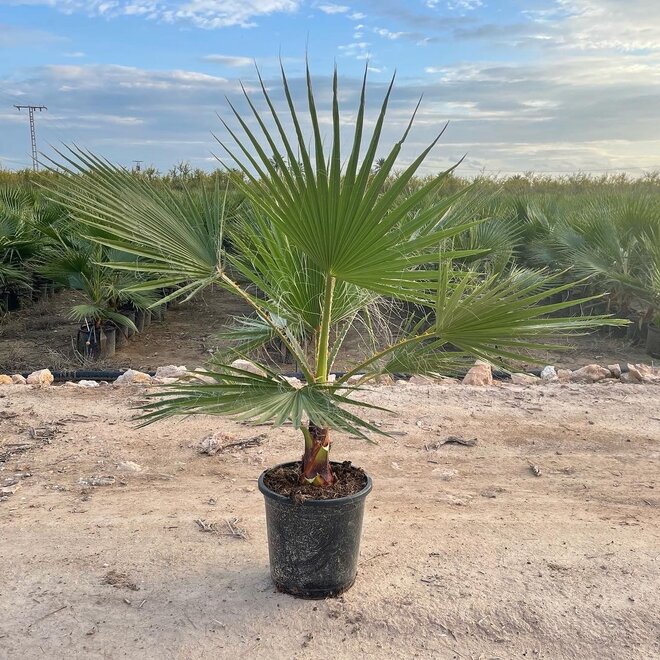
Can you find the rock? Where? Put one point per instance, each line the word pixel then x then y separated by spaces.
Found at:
pixel 294 382
pixel 592 373
pixel 87 383
pixel 481 374
pixel 17 379
pixel 171 371
pixel 643 373
pixel 212 444
pixel 444 474
pixel 164 381
pixel 97 480
pixel 355 379
pixel 6 380
pixel 199 373
pixel 525 379
pixel 549 374
pixel 246 365
pixel 421 380
pixel 132 377
pixel 42 378
pixel 615 370
pixel 129 466
pixel 564 375
pixel 384 379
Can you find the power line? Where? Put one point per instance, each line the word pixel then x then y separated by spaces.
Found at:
pixel 33 134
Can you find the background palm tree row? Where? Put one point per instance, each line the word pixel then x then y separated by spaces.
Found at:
pixel 606 228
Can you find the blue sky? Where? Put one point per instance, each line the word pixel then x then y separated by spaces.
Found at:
pixel 543 85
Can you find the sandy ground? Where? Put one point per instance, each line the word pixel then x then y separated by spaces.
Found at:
pixel 465 553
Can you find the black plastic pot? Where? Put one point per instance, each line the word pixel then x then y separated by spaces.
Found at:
pixel 314 545
pixel 653 341
pixel 139 320
pixel 130 315
pixel 110 336
pixel 95 343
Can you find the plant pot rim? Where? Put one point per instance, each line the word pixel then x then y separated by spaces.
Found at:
pixel 336 502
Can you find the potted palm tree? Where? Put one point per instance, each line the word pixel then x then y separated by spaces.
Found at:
pixel 321 241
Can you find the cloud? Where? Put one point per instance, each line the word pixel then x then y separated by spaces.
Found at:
pixel 388 34
pixel 207 14
pixel 334 9
pixel 234 61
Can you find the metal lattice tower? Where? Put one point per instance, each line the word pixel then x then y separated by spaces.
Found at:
pixel 33 134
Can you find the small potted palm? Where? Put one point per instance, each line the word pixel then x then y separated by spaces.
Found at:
pixel 324 237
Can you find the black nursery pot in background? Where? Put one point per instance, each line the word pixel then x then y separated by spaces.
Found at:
pixel 314 545
pixel 653 341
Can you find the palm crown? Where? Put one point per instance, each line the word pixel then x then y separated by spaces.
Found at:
pixel 320 243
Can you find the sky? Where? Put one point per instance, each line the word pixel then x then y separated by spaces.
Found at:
pixel 552 86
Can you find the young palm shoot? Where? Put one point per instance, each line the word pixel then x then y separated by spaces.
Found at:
pixel 354 239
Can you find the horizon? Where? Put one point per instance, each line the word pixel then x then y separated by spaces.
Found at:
pixel 545 87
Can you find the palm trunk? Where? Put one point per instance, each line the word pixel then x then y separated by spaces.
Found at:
pixel 316 467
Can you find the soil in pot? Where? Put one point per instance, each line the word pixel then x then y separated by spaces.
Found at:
pixel 314 533
pixel 653 341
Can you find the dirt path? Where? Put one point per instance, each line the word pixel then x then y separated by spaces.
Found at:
pixel 466 553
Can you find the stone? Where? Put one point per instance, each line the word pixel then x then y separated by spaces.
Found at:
pixel 421 380
pixel 199 373
pixel 129 466
pixel 643 373
pixel 246 365
pixel 564 375
pixel 615 370
pixel 355 379
pixel 164 381
pixel 549 374
pixel 384 379
pixel 525 379
pixel 6 380
pixel 212 444
pixel 294 382
pixel 18 379
pixel 42 378
pixel 592 373
pixel 481 374
pixel 132 377
pixel 171 371
pixel 87 383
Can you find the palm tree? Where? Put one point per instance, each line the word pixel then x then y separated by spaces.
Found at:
pixel 330 239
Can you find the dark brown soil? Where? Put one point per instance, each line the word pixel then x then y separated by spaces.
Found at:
pixel 285 480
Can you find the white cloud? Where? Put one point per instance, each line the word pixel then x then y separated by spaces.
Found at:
pixel 234 61
pixel 208 14
pixel 357 16
pixel 334 9
pixel 388 34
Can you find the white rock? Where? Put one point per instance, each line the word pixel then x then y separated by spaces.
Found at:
pixel 171 371
pixel 549 374
pixel 481 374
pixel 87 383
pixel 18 379
pixel 129 466
pixel 246 365
pixel 525 379
pixel 132 377
pixel 42 378
pixel 294 382
pixel 592 373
